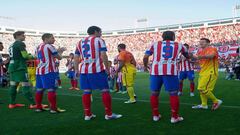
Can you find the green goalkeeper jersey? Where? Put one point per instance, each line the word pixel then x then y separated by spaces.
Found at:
pixel 17 61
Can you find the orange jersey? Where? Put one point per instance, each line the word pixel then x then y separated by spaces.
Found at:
pixel 127 57
pixel 208 66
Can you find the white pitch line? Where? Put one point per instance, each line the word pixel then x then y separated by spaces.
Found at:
pixel 147 101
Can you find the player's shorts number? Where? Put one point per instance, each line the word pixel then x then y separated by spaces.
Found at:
pixel 167 52
pixel 86 49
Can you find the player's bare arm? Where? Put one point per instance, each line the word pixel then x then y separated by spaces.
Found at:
pixel 60 52
pixel 145 62
pixel 67 62
pixel 187 55
pixel 121 64
pixel 58 56
pixel 76 64
pixel 105 60
pixel 133 61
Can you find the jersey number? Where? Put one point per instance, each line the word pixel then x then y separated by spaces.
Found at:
pixel 167 52
pixel 10 50
pixel 86 49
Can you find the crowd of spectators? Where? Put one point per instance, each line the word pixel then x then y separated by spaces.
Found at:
pixel 138 43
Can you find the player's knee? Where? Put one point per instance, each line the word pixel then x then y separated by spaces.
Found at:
pixel 155 93
pixel 51 90
pixel 206 92
pixel 173 93
pixel 87 92
pixel 129 86
pixel 39 90
pixel 203 92
pixel 105 91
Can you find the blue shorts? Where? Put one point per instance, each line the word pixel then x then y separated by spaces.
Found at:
pixel 186 74
pixel 170 82
pixel 97 81
pixel 57 76
pixel 71 74
pixel 47 81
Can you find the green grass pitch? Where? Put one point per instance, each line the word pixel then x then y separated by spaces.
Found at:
pixel 136 119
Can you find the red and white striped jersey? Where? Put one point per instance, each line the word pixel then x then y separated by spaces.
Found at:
pixel 45 55
pixel 70 64
pixel 165 55
pixel 89 49
pixel 112 72
pixel 57 64
pixel 185 64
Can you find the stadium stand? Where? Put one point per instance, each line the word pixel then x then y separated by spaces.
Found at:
pixel 224 34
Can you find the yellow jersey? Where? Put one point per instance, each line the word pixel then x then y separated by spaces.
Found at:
pixel 32 66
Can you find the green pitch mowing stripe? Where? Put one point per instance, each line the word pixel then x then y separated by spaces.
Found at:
pixel 147 101
pixel 136 117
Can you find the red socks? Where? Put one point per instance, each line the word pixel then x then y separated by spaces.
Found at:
pixel 52 100
pixel 107 101
pixel 174 102
pixel 154 105
pixel 86 100
pixel 59 82
pixel 72 83
pixel 75 83
pixel 192 85
pixel 180 86
pixel 38 99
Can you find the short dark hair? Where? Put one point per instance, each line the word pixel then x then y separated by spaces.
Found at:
pixel 71 54
pixel 1 43
pixel 187 45
pixel 168 35
pixel 206 39
pixel 122 46
pixel 91 30
pixel 18 33
pixel 46 35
